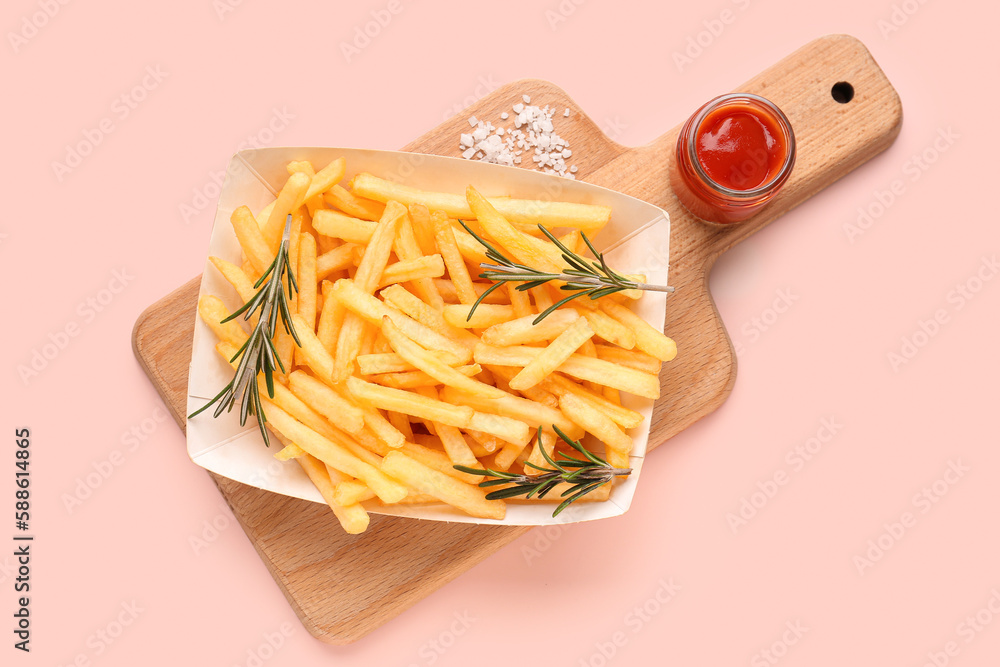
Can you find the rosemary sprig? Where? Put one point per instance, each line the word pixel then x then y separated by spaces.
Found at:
pixel 585 277
pixel 585 475
pixel 259 354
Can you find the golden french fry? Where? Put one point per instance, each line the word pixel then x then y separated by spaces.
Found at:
pixel 332 453
pixel 238 278
pixel 350 492
pixel 390 362
pixel 594 421
pixel 409 403
pixel 336 259
pixel 418 379
pixel 527 250
pixel 401 423
pixel 429 266
pixel 307 281
pixel 579 366
pixel 366 280
pixel 352 516
pixel 252 240
pixel 417 476
pixel 559 385
pixel 647 339
pixel 292 196
pixel 373 310
pixel 326 178
pixel 553 355
pixel 505 428
pixel 423 228
pixel 439 461
pixel 330 319
pixel 473 252
pixel 607 327
pixel 430 364
pixel 213 311
pixel 324 400
pixel 342 226
pixel 542 297
pixel 449 295
pixel 414 307
pixel 485 315
pixel 640 361
pixel 590 218
pixel 520 301
pixel 536 393
pixel 313 351
pixel 513 407
pixel 352 205
pixel 505 458
pixel 522 330
pixel 444 237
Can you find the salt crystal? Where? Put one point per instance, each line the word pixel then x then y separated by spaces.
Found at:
pixel 573 169
pixel 567 153
pixel 469 153
pixel 518 108
pixel 473 122
pixel 467 140
pixel 566 113
pixel 504 116
pixel 527 100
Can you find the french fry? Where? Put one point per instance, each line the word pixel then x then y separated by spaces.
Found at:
pixel 505 428
pixel 330 319
pixel 213 311
pixel 505 458
pixel 417 476
pixel 553 355
pixel 414 307
pixel 407 248
pixel 418 379
pixel 559 385
pixel 520 301
pixel 423 228
pixel 536 393
pixel 332 453
pixel 352 516
pixel 444 237
pixel 365 209
pixel 587 217
pixel 252 240
pixel 522 330
pixel 326 178
pixel 337 259
pixel 366 280
pixel 526 249
pixel 313 351
pixel 447 290
pixel 647 339
pixel 439 461
pixel 352 492
pixel 401 423
pixel 238 278
pixel 307 279
pixel 640 361
pixel 292 196
pixel 490 443
pixel 324 400
pixel 390 362
pixel 608 328
pixel 579 366
pixel 372 310
pixel 429 266
pixel 430 364
pixel 594 421
pixel 342 226
pixel 472 250
pixel 485 315
pixel 513 407
pixel 409 403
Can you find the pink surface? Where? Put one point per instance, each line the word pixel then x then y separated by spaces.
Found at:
pixel 114 231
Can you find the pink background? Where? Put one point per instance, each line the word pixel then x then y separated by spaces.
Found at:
pixel 564 596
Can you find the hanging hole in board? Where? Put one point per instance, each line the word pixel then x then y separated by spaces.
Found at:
pixel 842 92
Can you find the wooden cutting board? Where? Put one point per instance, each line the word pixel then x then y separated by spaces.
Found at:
pixel 341 586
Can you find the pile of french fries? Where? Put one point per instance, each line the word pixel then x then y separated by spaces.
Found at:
pixel 393 384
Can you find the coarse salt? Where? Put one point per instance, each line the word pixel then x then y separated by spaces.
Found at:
pixel 533 130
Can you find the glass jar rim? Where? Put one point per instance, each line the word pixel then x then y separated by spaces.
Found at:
pixel 715 103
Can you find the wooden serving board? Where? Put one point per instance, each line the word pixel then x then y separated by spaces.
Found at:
pixel 341 586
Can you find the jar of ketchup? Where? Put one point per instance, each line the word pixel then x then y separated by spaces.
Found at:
pixel 733 155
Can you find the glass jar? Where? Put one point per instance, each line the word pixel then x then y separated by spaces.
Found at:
pixel 732 157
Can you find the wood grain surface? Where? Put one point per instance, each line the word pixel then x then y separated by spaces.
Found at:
pixel 341 586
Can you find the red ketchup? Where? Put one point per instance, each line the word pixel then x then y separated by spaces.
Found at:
pixel 733 155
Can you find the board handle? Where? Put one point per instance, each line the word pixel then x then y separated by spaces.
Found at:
pixel 843 110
